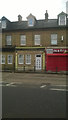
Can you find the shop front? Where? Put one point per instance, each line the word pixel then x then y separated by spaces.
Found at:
pixel 29 59
pixel 56 60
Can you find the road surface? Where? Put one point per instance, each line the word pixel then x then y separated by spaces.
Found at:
pixel 27 101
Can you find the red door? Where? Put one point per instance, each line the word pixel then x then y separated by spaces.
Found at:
pixel 57 62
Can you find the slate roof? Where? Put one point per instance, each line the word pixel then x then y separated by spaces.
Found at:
pixel 39 24
pixel 4 18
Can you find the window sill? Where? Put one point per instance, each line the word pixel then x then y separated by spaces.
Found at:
pixel 10 63
pixel 23 45
pixel 54 45
pixel 28 63
pixel 20 63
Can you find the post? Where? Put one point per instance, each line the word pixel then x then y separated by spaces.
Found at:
pixel 34 68
pixel 43 61
pixel 16 62
pixel 24 68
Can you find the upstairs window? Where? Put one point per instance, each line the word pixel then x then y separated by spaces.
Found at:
pixel 53 39
pixel 62 20
pixel 23 39
pixel 8 40
pixel 30 22
pixel 3 24
pixel 37 39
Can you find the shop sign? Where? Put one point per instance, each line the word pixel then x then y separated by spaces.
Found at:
pixel 51 51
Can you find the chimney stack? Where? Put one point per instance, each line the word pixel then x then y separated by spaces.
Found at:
pixel 19 18
pixel 46 16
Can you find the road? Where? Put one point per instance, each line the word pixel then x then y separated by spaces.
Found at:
pixel 33 95
pixel 33 101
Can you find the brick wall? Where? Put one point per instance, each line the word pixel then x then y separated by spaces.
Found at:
pixel 7 66
pixel 33 55
pixel 45 37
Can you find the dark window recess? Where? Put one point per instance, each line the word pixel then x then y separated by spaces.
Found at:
pixel 38 55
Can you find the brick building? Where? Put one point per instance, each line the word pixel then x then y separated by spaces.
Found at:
pixel 25 44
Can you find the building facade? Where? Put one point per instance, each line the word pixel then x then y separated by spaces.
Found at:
pixel 67 7
pixel 26 44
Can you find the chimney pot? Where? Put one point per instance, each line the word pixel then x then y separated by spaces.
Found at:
pixel 46 16
pixel 19 18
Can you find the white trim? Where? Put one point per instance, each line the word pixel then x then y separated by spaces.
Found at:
pixel 60 21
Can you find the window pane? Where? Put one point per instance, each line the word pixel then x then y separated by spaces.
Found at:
pixel 2 59
pixel 37 39
pixel 8 40
pixel 3 24
pixel 10 57
pixel 21 59
pixel 53 39
pixel 54 36
pixel 30 22
pixel 23 40
pixel 62 20
pixel 28 59
pixel 54 42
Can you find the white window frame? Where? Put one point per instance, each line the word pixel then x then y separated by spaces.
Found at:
pixel 30 22
pixel 53 40
pixel 28 59
pixel 21 60
pixel 60 21
pixel 3 24
pixel 8 40
pixel 37 39
pixel 11 59
pixel 22 39
pixel 2 59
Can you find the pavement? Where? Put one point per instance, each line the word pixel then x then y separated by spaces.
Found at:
pixel 33 78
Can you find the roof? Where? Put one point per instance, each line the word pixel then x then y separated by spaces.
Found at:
pixel 39 24
pixel 62 13
pixel 4 18
pixel 31 16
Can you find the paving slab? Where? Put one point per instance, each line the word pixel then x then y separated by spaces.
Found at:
pixel 35 78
